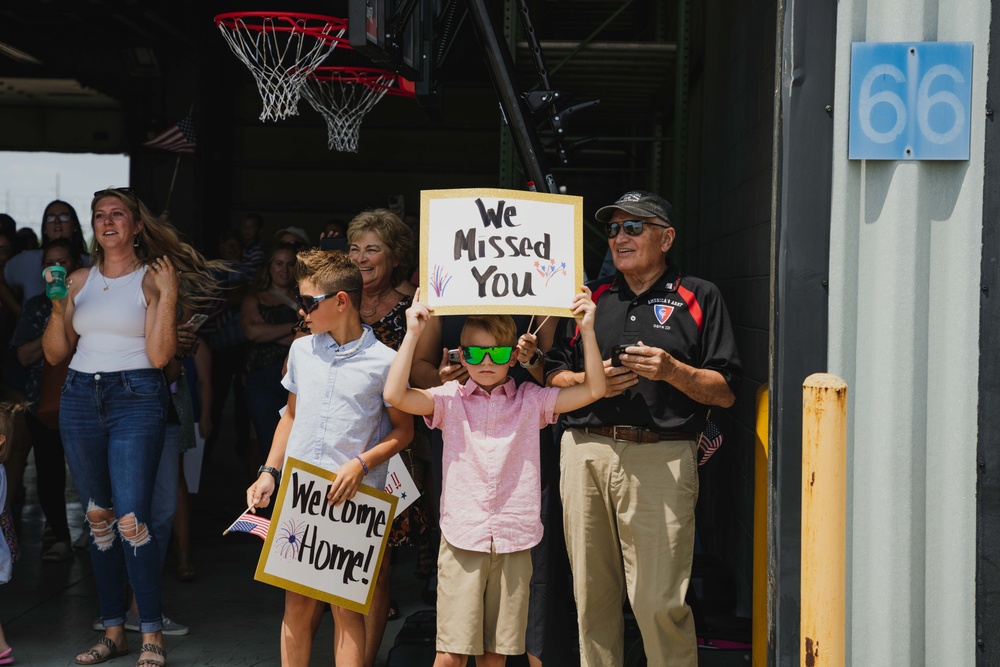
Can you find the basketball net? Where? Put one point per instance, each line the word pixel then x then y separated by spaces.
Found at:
pixel 343 95
pixel 281 51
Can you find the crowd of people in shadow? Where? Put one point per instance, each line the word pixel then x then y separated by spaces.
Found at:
pixel 228 323
pixel 137 355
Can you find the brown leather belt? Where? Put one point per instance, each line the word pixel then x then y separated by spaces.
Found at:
pixel 638 434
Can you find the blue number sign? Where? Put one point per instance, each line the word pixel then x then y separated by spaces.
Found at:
pixel 910 101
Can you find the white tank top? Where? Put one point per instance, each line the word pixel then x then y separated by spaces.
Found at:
pixel 110 317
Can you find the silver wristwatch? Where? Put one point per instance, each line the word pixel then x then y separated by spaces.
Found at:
pixel 535 358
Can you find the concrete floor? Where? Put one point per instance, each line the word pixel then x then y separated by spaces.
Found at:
pixel 47 609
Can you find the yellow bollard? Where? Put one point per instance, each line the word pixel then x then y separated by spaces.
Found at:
pixel 760 564
pixel 824 521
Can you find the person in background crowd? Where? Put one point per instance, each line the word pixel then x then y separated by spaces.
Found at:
pixel 10 304
pixel 253 252
pixel 117 324
pixel 629 465
pixel 24 272
pixel 50 461
pixel 198 374
pixel 379 243
pixel 27 239
pixel 267 316
pixel 8 541
pixel 334 229
pixel 9 227
pixel 294 238
pixel 225 339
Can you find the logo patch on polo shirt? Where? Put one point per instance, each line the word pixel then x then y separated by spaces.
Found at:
pixel 662 312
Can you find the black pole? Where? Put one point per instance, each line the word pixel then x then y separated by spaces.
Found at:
pixel 501 67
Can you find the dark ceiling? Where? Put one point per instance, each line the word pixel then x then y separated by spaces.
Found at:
pixel 620 52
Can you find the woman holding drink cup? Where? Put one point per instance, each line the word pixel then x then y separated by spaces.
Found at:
pixel 117 322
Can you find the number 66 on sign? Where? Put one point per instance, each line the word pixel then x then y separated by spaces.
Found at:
pixel 910 101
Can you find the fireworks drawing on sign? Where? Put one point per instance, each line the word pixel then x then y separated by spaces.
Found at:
pixel 550 270
pixel 439 279
pixel 289 539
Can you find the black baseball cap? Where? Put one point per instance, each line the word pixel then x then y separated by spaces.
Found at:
pixel 641 203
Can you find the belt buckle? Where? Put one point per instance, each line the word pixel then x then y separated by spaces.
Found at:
pixel 624 429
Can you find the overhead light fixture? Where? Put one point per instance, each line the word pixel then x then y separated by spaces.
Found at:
pixel 18 55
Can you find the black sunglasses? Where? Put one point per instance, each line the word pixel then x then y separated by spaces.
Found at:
pixel 631 227
pixel 124 191
pixel 310 303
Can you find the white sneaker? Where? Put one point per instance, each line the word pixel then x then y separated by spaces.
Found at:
pixel 169 627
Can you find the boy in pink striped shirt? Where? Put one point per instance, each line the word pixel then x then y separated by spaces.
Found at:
pixel 491 489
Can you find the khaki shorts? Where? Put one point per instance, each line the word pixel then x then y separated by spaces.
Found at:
pixel 482 600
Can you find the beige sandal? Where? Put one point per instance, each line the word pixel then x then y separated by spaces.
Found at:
pixel 99 656
pixel 152 662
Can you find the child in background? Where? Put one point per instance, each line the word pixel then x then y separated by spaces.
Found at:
pixel 7 412
pixel 491 490
pixel 335 419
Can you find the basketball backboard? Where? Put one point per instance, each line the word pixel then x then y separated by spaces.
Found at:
pixel 396 35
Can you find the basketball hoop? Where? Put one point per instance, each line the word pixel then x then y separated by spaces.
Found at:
pixel 343 95
pixel 281 50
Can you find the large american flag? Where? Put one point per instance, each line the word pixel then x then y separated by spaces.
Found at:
pixel 710 440
pixel 250 523
pixel 178 138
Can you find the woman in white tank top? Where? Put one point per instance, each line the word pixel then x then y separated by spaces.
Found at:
pixel 119 324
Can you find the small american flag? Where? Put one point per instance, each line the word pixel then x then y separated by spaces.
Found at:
pixel 710 440
pixel 250 523
pixel 178 138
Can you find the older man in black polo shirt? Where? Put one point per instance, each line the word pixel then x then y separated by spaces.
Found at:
pixel 629 471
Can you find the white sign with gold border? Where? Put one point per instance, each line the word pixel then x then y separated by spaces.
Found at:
pixel 500 251
pixel 327 552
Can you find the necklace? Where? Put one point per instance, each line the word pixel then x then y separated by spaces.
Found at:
pixel 107 285
pixel 354 348
pixel 370 312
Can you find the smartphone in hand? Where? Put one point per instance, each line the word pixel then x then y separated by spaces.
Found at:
pixel 455 356
pixel 197 320
pixel 615 351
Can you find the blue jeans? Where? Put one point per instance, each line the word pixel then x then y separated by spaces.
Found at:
pixel 165 490
pixel 113 426
pixel 265 397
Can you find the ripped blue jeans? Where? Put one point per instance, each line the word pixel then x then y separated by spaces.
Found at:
pixel 112 426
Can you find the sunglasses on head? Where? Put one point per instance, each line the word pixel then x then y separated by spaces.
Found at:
pixel 499 354
pixel 631 227
pixel 61 217
pixel 123 191
pixel 310 303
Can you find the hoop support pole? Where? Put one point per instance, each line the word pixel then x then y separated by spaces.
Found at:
pixel 501 66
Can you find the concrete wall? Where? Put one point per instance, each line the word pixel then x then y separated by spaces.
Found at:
pixel 904 308
pixel 726 239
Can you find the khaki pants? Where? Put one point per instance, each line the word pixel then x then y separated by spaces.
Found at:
pixel 628 511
